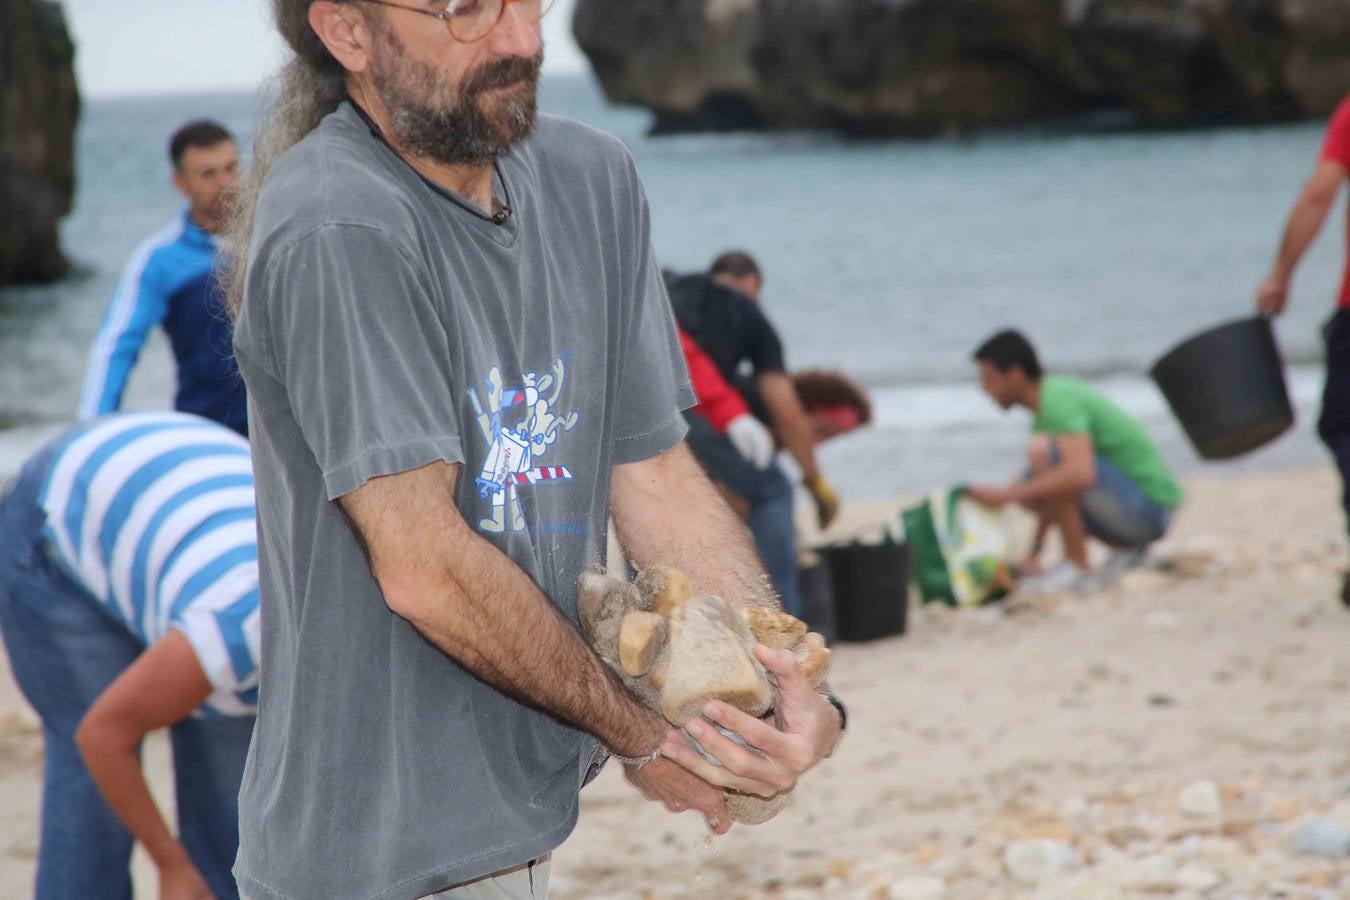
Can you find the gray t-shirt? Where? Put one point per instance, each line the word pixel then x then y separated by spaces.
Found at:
pixel 387 325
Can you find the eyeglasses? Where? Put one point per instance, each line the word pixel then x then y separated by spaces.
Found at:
pixel 472 20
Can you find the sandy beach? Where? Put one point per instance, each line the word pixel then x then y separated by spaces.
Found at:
pixel 1165 737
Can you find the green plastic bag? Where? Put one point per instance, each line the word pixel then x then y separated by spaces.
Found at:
pixel 957 550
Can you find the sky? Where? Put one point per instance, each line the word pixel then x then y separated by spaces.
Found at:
pixel 152 47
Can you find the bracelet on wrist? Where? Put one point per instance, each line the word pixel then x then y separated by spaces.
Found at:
pixel 839 707
pixel 636 762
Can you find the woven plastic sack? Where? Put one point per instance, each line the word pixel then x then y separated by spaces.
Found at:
pixel 958 549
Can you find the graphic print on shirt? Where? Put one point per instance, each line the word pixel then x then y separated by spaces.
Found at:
pixel 520 423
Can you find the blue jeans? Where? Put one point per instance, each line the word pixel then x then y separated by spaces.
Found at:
pixel 1115 511
pixel 64 651
pixel 770 496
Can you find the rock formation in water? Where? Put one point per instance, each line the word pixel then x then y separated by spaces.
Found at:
pixel 39 107
pixel 932 66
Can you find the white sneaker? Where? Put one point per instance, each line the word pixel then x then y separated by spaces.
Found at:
pixel 1062 576
pixel 1115 567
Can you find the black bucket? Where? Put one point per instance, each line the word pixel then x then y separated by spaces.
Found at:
pixel 1226 387
pixel 870 586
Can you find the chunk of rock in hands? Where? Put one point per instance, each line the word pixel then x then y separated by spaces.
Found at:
pixel 677 652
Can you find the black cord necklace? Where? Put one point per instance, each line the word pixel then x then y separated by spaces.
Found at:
pixel 500 217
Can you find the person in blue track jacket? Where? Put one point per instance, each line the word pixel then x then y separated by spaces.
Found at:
pixel 171 282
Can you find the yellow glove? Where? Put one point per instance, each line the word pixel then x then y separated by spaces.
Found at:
pixel 827 501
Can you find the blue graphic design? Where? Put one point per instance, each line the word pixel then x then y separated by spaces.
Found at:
pixel 520 424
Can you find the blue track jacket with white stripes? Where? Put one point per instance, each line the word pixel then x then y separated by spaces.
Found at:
pixel 170 282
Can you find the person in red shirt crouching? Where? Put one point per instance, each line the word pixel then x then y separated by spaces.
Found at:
pixel 1305 221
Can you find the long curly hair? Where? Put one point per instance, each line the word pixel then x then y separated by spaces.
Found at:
pixel 309 86
pixel 818 387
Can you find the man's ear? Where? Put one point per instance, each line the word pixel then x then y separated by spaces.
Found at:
pixel 343 32
pixel 180 182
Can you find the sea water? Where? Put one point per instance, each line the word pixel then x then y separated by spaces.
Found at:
pixel 887 260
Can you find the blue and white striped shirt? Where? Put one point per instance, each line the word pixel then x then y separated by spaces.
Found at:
pixel 154 514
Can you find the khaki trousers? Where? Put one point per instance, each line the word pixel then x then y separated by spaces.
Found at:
pixel 524 882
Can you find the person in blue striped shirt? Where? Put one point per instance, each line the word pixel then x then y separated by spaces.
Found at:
pixel 171 282
pixel 129 602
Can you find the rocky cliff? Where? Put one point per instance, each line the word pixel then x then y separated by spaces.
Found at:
pixel 931 66
pixel 39 106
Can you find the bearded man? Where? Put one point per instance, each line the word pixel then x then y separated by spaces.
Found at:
pixel 459 359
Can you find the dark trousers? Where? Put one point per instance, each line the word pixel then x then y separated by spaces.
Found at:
pixel 1334 424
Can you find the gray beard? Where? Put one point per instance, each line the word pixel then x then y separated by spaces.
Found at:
pixel 448 126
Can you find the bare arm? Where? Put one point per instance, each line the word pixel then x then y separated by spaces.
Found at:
pixel 163 686
pixel 796 431
pixel 470 600
pixel 1305 222
pixel 1077 471
pixel 790 419
pixel 666 510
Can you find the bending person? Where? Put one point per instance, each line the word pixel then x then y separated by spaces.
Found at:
pixel 129 602
pixel 1093 469
pixel 720 310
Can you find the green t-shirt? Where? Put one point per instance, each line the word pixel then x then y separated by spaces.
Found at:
pixel 1070 406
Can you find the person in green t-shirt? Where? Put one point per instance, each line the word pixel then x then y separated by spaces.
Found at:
pixel 1093 470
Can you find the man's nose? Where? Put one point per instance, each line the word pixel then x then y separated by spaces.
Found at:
pixel 516 34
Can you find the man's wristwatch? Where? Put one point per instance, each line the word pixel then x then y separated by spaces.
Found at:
pixel 839 705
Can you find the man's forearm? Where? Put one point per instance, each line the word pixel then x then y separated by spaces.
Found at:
pixel 1304 224
pixel 110 755
pixel 790 420
pixel 666 510
pixel 491 618
pixel 1306 218
pixel 481 609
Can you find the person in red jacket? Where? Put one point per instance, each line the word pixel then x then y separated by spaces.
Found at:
pixel 724 408
pixel 1305 221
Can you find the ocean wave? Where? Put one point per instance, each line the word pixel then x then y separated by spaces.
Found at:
pixel 1099 370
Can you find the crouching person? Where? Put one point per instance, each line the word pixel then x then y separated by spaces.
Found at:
pixel 1092 469
pixel 129 602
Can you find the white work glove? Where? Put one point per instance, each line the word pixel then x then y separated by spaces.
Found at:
pixel 751 440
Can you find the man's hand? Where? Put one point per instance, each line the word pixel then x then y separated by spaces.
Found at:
pixel 664 782
pixel 826 500
pixel 988 496
pixel 180 880
pixel 809 727
pixel 1273 295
